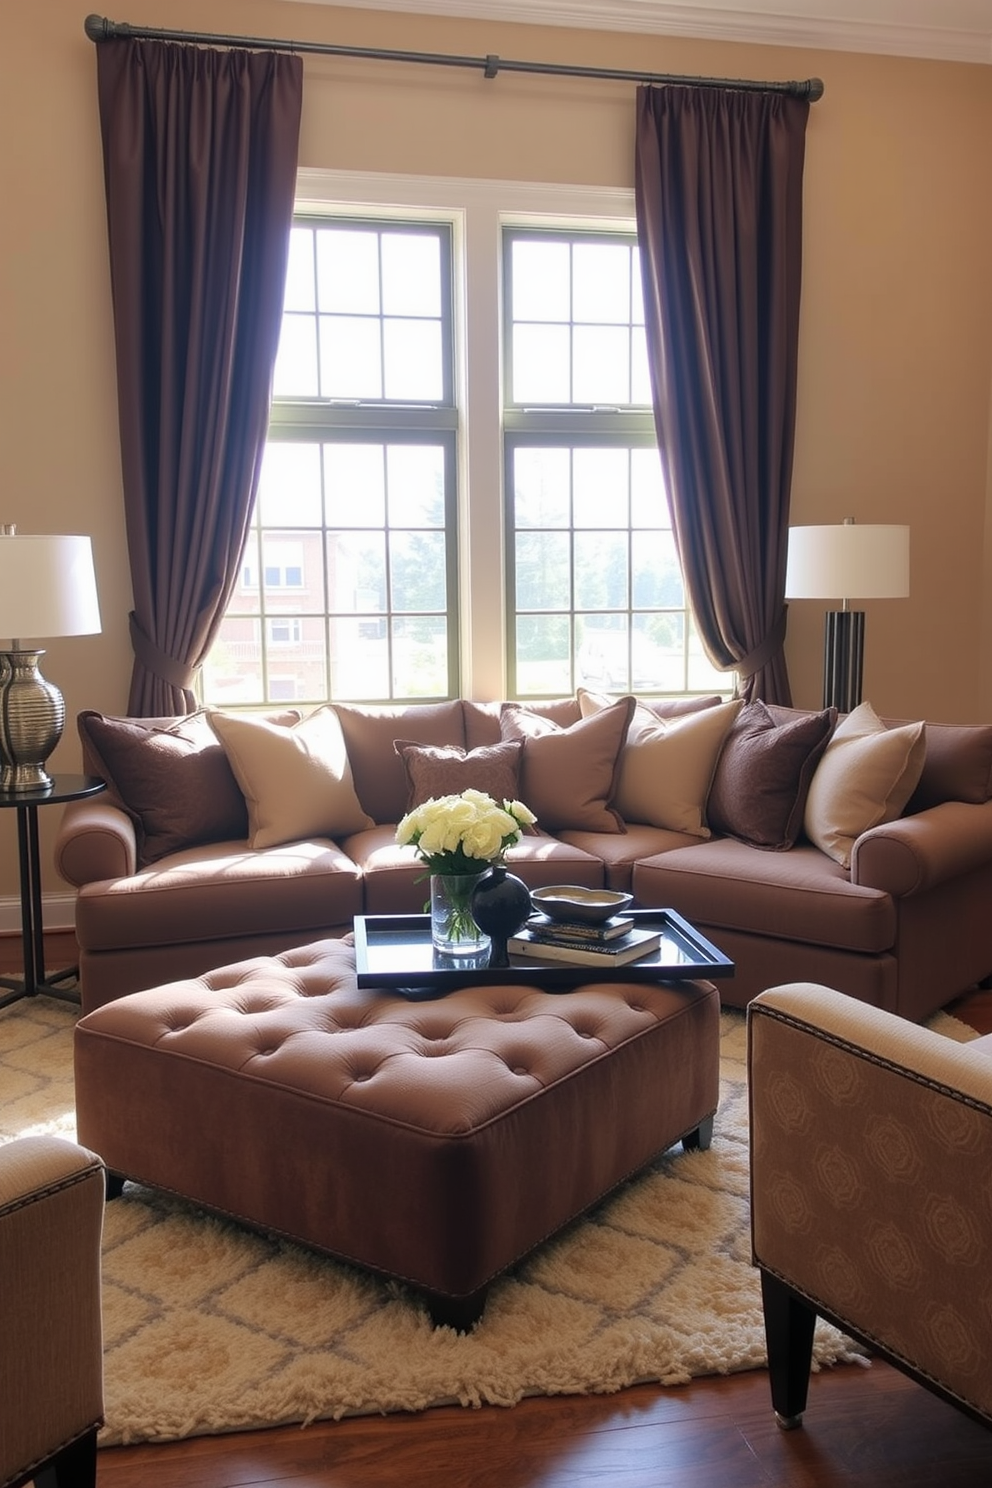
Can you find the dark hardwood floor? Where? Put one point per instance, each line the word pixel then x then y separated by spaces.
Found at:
pixel 864 1428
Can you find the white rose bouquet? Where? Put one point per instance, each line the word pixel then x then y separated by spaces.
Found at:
pixel 463 834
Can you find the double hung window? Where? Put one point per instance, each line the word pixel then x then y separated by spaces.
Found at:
pixel 348 584
pixel 461 490
pixel 595 584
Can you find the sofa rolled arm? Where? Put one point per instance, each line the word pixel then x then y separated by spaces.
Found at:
pixel 871 1139
pixel 916 853
pixel 95 840
pixel 51 1343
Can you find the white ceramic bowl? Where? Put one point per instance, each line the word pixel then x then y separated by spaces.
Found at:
pixel 572 902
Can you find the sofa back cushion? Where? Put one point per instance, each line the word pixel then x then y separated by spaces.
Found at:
pixel 370 734
pixel 958 766
pixel 170 776
pixel 482 719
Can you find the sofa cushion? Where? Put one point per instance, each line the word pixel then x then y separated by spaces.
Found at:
pixel 568 775
pixel 370 733
pixel 662 707
pixel 171 778
pixel 667 765
pixel 763 774
pixel 212 895
pixel 958 766
pixel 802 896
pixel 297 781
pixel 865 777
pixel 435 770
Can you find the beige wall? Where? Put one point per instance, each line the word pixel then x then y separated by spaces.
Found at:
pixel 895 383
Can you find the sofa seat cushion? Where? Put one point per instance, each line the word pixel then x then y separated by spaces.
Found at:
pixel 800 895
pixel 397 882
pixel 619 852
pixel 221 891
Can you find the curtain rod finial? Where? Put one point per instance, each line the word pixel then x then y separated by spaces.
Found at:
pixel 814 89
pixel 96 27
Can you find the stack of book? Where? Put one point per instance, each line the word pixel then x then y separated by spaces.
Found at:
pixel 613 942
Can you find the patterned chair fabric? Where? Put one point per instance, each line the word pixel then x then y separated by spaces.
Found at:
pixel 871 1202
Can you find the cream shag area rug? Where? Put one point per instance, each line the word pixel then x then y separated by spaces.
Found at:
pixel 210 1327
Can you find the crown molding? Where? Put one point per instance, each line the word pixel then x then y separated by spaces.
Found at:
pixel 845 33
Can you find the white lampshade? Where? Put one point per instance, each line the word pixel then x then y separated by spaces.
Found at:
pixel 848 561
pixel 47 587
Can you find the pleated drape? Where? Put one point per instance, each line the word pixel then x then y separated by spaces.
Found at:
pixel 200 151
pixel 719 216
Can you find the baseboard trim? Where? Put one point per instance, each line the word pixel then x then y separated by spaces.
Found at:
pixel 58 912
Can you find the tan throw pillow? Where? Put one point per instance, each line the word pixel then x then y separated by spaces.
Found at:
pixel 762 777
pixel 435 770
pixel 297 781
pixel 866 776
pixel 568 775
pixel 666 767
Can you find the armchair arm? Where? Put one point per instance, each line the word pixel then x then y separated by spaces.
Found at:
pixel 51 1344
pixel 95 840
pixel 871 1142
pixel 915 853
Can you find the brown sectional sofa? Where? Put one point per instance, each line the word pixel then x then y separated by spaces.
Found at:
pixel 907 926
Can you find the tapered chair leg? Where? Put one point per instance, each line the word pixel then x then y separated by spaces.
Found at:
pixel 789 1324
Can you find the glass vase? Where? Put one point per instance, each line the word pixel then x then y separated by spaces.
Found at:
pixel 453 928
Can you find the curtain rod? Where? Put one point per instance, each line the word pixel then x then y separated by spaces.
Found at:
pixel 99 28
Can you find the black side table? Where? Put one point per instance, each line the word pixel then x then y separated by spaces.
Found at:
pixel 63 788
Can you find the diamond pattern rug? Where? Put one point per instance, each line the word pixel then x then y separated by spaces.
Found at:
pixel 210 1327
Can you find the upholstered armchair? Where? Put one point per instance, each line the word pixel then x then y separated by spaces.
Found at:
pixel 51 1342
pixel 871 1192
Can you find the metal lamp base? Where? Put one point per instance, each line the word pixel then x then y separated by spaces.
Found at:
pixel 32 717
pixel 843 659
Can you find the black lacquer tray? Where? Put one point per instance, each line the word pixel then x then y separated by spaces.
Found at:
pixel 395 951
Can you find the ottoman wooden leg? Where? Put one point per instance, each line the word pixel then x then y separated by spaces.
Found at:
pixel 701 1138
pixel 115 1185
pixel 460 1313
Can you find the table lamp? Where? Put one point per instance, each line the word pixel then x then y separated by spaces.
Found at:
pixel 47 588
pixel 846 562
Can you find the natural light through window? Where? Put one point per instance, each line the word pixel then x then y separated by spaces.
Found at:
pixel 381 563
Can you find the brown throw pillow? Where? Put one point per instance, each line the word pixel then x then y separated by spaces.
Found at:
pixel 568 776
pixel 762 776
pixel 435 770
pixel 174 782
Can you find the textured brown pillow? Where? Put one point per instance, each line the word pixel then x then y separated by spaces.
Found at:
pixel 762 776
pixel 174 781
pixel 446 770
pixel 568 776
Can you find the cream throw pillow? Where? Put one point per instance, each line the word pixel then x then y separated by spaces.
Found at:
pixel 667 765
pixel 867 774
pixel 296 781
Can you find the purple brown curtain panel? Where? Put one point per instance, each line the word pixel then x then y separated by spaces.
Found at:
pixel 200 149
pixel 719 220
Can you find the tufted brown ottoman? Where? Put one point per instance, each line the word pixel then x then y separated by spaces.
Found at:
pixel 436 1141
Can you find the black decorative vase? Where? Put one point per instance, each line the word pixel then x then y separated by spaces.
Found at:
pixel 500 905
